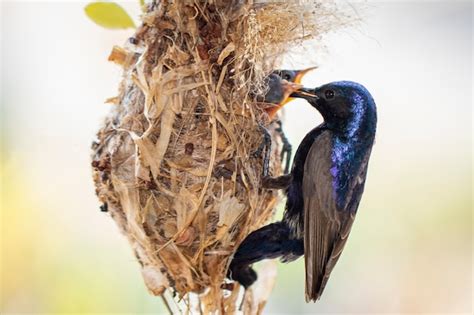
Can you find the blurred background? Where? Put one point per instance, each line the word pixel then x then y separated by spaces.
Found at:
pixel 410 250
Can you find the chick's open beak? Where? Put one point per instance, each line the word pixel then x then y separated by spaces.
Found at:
pixel 299 76
pixel 301 73
pixel 288 89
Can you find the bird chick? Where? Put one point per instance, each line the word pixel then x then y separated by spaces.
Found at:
pixel 280 85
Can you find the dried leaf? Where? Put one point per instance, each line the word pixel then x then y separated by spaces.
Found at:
pixel 112 100
pixel 118 55
pixel 229 209
pixel 155 281
pixel 225 53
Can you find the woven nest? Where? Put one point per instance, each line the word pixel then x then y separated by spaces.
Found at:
pixel 173 162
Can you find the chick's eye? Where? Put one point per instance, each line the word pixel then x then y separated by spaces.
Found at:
pixel 329 94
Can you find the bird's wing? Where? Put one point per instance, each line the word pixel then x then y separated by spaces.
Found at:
pixel 326 225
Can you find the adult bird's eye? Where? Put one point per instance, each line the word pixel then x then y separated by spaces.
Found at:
pixel 287 77
pixel 329 94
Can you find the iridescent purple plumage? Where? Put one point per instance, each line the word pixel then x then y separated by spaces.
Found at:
pixel 346 144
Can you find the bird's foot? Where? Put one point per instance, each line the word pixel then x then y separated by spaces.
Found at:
pixel 287 147
pixel 286 151
pixel 244 275
pixel 265 148
pixel 280 182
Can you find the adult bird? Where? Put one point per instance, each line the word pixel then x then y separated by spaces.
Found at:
pixel 323 189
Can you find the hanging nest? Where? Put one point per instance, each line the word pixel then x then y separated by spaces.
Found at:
pixel 174 162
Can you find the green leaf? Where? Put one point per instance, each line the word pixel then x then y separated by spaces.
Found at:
pixel 109 15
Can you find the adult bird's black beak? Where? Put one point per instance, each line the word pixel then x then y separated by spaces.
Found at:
pixel 305 93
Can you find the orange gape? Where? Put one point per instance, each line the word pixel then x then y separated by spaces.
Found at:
pixel 288 88
pixel 291 82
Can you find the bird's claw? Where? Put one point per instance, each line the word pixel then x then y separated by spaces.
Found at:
pixel 244 275
pixel 257 153
pixel 265 147
pixel 280 182
pixel 287 147
pixel 286 152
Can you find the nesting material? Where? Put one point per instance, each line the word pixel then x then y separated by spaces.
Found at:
pixel 173 160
